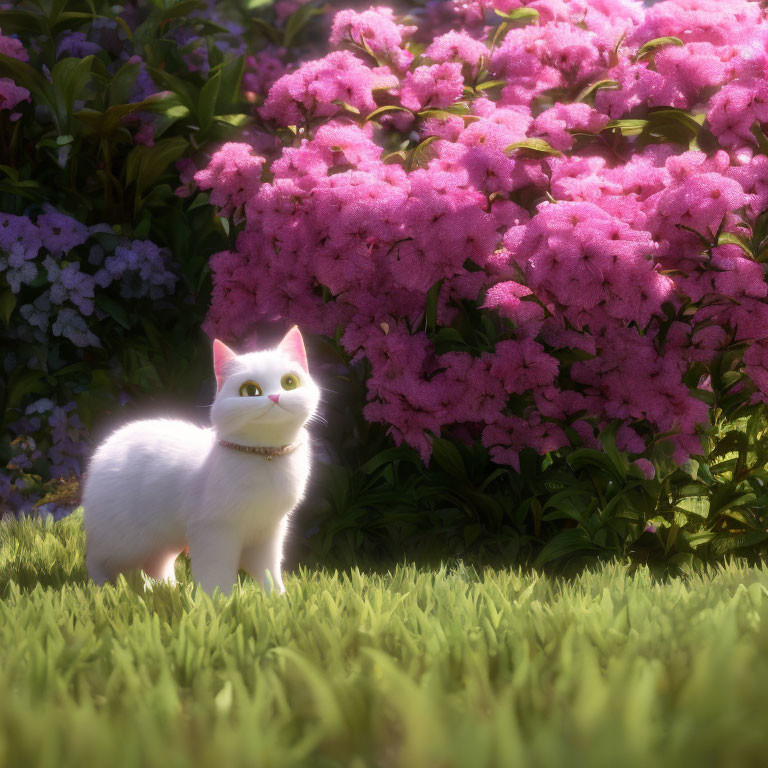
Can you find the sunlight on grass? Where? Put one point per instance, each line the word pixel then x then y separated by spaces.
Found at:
pixel 412 668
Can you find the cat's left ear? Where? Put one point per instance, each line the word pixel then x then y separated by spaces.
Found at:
pixel 293 346
pixel 222 357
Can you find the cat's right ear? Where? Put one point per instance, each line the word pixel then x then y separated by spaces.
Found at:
pixel 222 357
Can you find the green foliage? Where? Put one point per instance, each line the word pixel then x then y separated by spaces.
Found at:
pixel 76 148
pixel 562 511
pixel 451 667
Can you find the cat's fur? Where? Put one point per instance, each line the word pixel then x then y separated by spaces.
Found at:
pixel 155 487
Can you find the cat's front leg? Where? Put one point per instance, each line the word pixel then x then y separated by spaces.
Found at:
pixel 214 554
pixel 265 556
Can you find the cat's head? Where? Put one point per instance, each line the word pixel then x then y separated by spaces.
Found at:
pixel 265 397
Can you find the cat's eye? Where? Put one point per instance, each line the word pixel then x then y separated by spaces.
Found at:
pixel 290 381
pixel 250 389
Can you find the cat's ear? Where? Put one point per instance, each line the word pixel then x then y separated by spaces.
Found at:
pixel 293 346
pixel 222 357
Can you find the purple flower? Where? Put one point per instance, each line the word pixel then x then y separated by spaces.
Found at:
pixel 60 233
pixel 76 44
pixel 70 283
pixel 38 313
pixel 72 326
pixel 140 266
pixel 18 266
pixel 19 230
pixel 43 405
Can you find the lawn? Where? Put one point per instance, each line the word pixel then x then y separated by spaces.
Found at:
pixel 413 668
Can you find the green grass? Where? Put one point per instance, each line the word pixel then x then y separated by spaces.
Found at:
pixel 413 668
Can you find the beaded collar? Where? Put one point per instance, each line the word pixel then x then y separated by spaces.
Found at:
pixel 268 452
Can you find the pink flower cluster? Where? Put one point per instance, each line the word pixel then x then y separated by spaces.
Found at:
pixel 12 94
pixel 516 267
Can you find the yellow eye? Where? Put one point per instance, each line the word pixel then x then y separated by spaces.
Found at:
pixel 250 389
pixel 289 381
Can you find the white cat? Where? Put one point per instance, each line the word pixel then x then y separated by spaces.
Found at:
pixel 155 487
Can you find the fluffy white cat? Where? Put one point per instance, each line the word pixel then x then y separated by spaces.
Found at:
pixel 155 487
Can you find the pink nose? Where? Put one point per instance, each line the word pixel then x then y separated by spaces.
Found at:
pixel 274 398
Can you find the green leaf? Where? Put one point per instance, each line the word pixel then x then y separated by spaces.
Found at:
pixel 696 540
pixel 386 457
pixel 114 310
pixel 430 314
pixel 230 92
pixel 107 122
pixel 383 110
pixel 122 83
pixel 7 305
pixel 655 44
pixel 520 15
pixel 416 155
pixel 179 10
pixel 565 543
pixel 297 21
pixel 271 33
pixel 144 165
pixel 535 145
pixel 674 115
pixel 695 505
pixel 490 84
pixel 760 137
pixel 588 457
pixel 608 440
pixel 448 458
pixel 183 90
pixel 206 102
pixel 346 106
pixel 460 108
pixel 729 238
pixel 500 34
pixel 727 543
pixel 24 384
pixel 628 126
pixel 22 22
pixel 609 85
pixel 238 121
pixel 69 77
pixel 734 441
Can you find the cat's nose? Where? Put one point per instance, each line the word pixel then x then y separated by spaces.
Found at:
pixel 274 398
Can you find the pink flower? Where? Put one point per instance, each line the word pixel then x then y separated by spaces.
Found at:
pixel 10 46
pixel 234 175
pixel 11 95
pixel 436 86
pixel 375 28
pixel 457 46
pixel 313 88
pixel 507 298
pixel 735 108
pixel 557 123
pixel 523 365
pixel 363 230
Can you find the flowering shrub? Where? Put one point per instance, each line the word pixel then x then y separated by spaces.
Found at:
pixel 106 112
pixel 544 228
pixel 536 231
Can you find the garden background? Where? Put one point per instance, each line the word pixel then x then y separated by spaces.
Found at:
pixel 526 243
